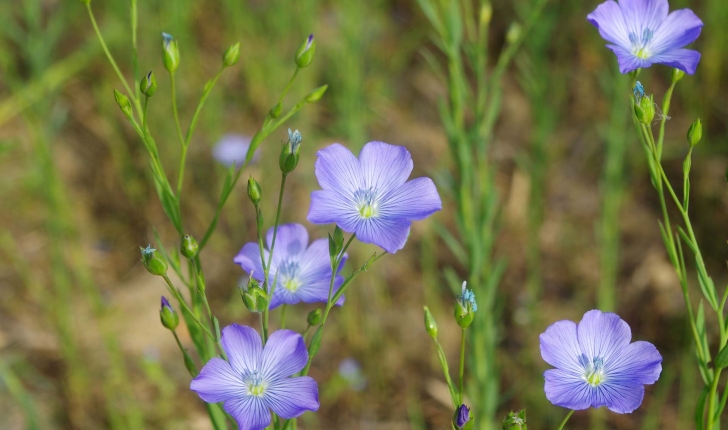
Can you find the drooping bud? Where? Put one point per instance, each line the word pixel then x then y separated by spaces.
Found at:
pixel 123 102
pixel 231 55
pixel 316 94
pixel 189 247
pixel 288 159
pixel 304 55
pixel 462 416
pixel 430 324
pixel 254 297
pixel 644 109
pixel 254 191
pixel 465 307
pixel 170 52
pixel 169 318
pixel 515 421
pixel 314 317
pixel 148 85
pixel 155 264
pixel 695 133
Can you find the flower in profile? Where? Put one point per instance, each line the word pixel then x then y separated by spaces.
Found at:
pixel 462 416
pixel 641 33
pixel 596 365
pixel 371 196
pixel 256 379
pixel 304 272
pixel 232 149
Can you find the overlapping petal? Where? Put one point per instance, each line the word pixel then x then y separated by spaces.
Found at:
pixel 243 347
pixel 603 335
pixel 609 20
pixel 682 27
pixel 284 354
pixel 389 233
pixel 289 398
pixel 384 167
pixel 560 346
pixel 291 240
pixel 638 363
pixel 328 206
pixel 250 412
pixel 567 390
pixel 249 259
pixel 414 200
pixel 338 169
pixel 217 382
pixel 684 59
pixel 643 14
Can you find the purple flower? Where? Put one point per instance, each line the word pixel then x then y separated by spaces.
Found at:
pixel 463 416
pixel 256 378
pixel 596 365
pixel 304 272
pixel 370 196
pixel 641 33
pixel 232 148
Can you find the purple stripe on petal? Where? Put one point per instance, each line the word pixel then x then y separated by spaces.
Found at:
pixel 284 354
pixel 415 200
pixel 560 346
pixel 217 382
pixel 680 28
pixel 684 59
pixel 643 14
pixel 250 412
pixel 289 398
pixel 638 363
pixel 627 60
pixel 390 234
pixel 622 399
pixel 567 390
pixel 249 259
pixel 243 347
pixel 608 19
pixel 331 207
pixel 291 240
pixel 603 334
pixel 337 169
pixel 384 167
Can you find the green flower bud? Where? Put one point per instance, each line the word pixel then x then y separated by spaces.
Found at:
pixel 123 102
pixel 486 14
pixel 515 421
pixel 514 32
pixel 304 55
pixel 430 324
pixel 189 247
pixel 170 52
pixel 369 262
pixel 677 74
pixel 644 109
pixel 336 242
pixel 155 264
pixel 254 191
pixel 465 307
pixel 148 85
pixel 316 94
pixel 169 318
pixel 314 317
pixel 316 341
pixel 231 55
pixel 695 132
pixel 254 297
pixel 288 159
pixel 276 110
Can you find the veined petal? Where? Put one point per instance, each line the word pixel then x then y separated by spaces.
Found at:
pixel 389 233
pixel 249 259
pixel 284 354
pixel 684 59
pixel 315 273
pixel 283 296
pixel 640 15
pixel 384 166
pixel 291 240
pixel 243 347
pixel 414 200
pixel 638 363
pixel 628 61
pixel 567 390
pixel 621 399
pixel 250 412
pixel 609 20
pixel 291 397
pixel 680 28
pixel 603 335
pixel 217 382
pixel 331 207
pixel 338 170
pixel 560 347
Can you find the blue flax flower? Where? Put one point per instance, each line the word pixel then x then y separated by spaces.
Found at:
pixel 596 365
pixel 232 149
pixel 371 196
pixel 304 272
pixel 256 379
pixel 641 33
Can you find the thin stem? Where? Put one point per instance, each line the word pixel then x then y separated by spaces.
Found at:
pixel 334 271
pixel 179 344
pixel 266 266
pixel 174 109
pixel 288 85
pixel 181 300
pixel 203 296
pixel 283 316
pixel 135 62
pixel 665 111
pixel 462 366
pixel 566 418
pixel 711 399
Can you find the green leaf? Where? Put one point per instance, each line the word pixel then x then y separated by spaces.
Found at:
pixel 700 408
pixel 721 360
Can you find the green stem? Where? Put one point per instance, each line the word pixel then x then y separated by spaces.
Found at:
pixel 266 266
pixel 283 316
pixel 135 62
pixel 201 292
pixel 183 303
pixel 711 399
pixel 462 366
pixel 566 418
pixel 174 109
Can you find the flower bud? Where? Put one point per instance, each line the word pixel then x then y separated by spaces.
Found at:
pixel 148 85
pixel 430 324
pixel 189 247
pixel 514 32
pixel 231 55
pixel 465 307
pixel 123 102
pixel 155 264
pixel 288 159
pixel 314 317
pixel 515 421
pixel 316 94
pixel 644 109
pixel 254 191
pixel 276 110
pixel 304 55
pixel 695 133
pixel 486 14
pixel 170 52
pixel 254 297
pixel 169 318
pixel 369 262
pixel 336 242
pixel 462 416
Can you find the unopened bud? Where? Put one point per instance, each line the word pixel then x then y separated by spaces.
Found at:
pixel 314 317
pixel 276 110
pixel 515 421
pixel 316 94
pixel 336 242
pixel 154 263
pixel 123 102
pixel 465 307
pixel 169 318
pixel 254 297
pixel 486 13
pixel 462 416
pixel 513 33
pixel 304 55
pixel 644 109
pixel 170 52
pixel 231 55
pixel 288 159
pixel 254 191
pixel 189 247
pixel 430 324
pixel 148 85
pixel 695 133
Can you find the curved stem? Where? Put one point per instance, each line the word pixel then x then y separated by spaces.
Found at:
pixel 566 418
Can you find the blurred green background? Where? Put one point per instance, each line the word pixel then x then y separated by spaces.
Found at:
pixel 81 346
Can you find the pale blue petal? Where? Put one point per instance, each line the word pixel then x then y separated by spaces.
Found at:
pixel 414 200
pixel 628 61
pixel 638 363
pixel 249 259
pixel 284 354
pixel 388 233
pixel 684 59
pixel 643 14
pixel 567 390
pixel 384 167
pixel 217 382
pixel 291 240
pixel 291 397
pixel 622 399
pixel 560 346
pixel 603 335
pixel 243 347
pixel 338 170
pixel 250 412
pixel 680 28
pixel 608 19
pixel 316 273
pixel 331 207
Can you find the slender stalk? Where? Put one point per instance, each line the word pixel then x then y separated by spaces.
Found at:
pixel 183 303
pixel 266 266
pixel 174 109
pixel 566 418
pixel 711 399
pixel 203 297
pixel 135 62
pixel 462 365
pixel 283 316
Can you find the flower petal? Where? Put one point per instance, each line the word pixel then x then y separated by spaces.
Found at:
pixel 638 363
pixel 250 412
pixel 218 382
pixel 315 275
pixel 684 59
pixel 389 233
pixel 384 166
pixel 329 206
pixel 338 170
pixel 621 399
pixel 609 20
pixel 640 15
pixel 291 397
pixel 291 240
pixel 284 354
pixel 415 200
pixel 560 347
pixel 603 335
pixel 249 259
pixel 628 61
pixel 567 390
pixel 243 347
pixel 680 28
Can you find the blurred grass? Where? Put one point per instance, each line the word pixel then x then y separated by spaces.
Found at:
pixel 77 202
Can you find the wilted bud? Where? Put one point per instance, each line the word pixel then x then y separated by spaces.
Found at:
pixel 486 13
pixel 695 133
pixel 430 324
pixel 169 318
pixel 462 416
pixel 155 264
pixel 314 317
pixel 170 52
pixel 288 159
pixel 189 247
pixel 254 191
pixel 316 94
pixel 304 55
pixel 276 110
pixel 254 297
pixel 148 85
pixel 123 102
pixel 677 74
pixel 514 32
pixel 231 55
pixel 465 307
pixel 515 421
pixel 644 109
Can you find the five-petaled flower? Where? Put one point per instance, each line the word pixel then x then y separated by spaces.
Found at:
pixel 641 33
pixel 596 365
pixel 256 379
pixel 370 196
pixel 303 272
